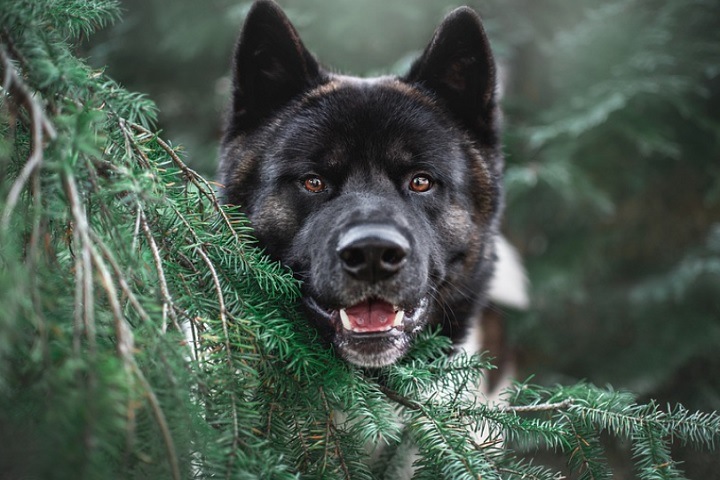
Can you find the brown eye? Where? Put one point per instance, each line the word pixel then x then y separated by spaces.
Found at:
pixel 314 184
pixel 421 183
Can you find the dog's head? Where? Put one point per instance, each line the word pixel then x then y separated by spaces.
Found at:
pixel 383 194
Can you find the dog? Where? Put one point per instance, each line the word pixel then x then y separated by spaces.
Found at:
pixel 382 195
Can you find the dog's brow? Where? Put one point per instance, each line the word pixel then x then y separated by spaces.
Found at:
pixel 398 151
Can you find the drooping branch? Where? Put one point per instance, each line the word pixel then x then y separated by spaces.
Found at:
pixel 40 128
pixel 168 304
pixel 123 333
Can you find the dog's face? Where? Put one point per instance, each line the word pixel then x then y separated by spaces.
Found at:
pixel 382 195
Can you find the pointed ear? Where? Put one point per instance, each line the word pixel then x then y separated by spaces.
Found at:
pixel 271 67
pixel 458 67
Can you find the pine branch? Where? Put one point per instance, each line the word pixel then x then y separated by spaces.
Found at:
pixel 40 128
pixel 124 336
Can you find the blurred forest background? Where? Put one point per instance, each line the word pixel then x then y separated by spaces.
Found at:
pixel 613 158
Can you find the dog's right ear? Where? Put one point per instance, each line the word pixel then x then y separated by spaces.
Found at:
pixel 271 67
pixel 458 68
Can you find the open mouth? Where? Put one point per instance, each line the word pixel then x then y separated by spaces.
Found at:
pixel 372 333
pixel 372 316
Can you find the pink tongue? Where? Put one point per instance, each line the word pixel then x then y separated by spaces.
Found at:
pixel 371 316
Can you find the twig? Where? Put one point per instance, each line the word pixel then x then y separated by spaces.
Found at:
pixel 161 420
pixel 189 173
pixel 540 407
pixel 136 231
pixel 124 286
pixel 226 332
pixel 399 399
pixel 129 141
pixel 585 461
pixel 519 474
pixel 303 444
pixel 39 126
pixel 416 406
pixel 164 290
pixel 333 432
pixel 84 292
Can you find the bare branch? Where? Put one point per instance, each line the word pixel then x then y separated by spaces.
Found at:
pixel 40 126
pixel 540 407
pixel 168 304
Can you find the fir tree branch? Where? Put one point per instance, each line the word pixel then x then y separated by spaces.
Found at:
pixel 526 474
pixel 125 287
pixel 191 175
pixel 222 311
pixel 40 127
pixel 587 454
pixel 122 281
pixel 399 399
pixel 418 407
pixel 540 407
pixel 303 443
pixel 161 421
pixel 224 320
pixel 123 333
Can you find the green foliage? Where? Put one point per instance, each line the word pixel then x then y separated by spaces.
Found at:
pixel 612 193
pixel 111 248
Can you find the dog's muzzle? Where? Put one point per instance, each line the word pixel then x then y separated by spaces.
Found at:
pixel 380 287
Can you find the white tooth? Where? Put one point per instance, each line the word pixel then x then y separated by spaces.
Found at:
pixel 398 318
pixel 345 319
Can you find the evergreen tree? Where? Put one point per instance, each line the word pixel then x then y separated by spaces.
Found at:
pixel 111 247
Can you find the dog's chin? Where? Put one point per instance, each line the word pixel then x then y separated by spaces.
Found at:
pixel 361 345
pixel 372 352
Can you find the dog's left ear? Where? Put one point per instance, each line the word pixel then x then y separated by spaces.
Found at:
pixel 458 67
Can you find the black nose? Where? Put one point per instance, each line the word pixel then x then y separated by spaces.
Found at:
pixel 372 252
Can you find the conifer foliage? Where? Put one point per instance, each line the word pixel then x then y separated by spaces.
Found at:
pixel 111 248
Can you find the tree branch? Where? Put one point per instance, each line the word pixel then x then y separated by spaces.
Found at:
pixel 125 340
pixel 40 127
pixel 540 407
pixel 168 304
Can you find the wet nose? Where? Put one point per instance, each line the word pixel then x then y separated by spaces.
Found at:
pixel 372 252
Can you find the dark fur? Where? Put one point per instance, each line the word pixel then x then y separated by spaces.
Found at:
pixel 367 138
